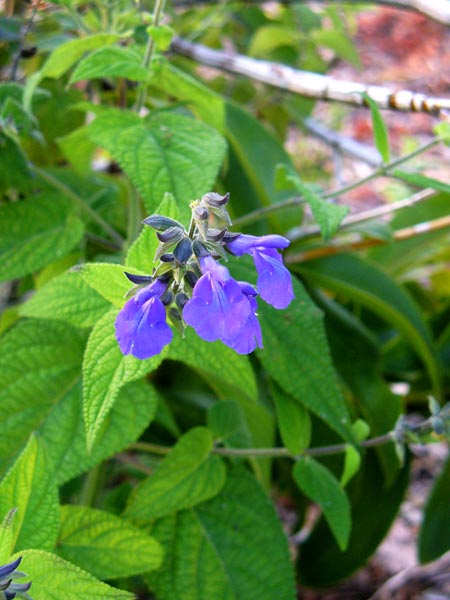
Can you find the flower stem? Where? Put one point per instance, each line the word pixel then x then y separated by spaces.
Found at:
pixel 149 51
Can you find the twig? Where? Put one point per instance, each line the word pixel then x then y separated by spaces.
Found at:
pixel 399 235
pixel 15 64
pixel 438 10
pixel 149 50
pixel 366 215
pixel 413 580
pixel 343 143
pixel 311 85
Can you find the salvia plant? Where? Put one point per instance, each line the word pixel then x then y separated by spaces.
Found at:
pixel 221 399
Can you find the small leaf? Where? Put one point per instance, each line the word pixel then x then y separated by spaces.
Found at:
pixel 30 487
pixel 320 485
pixel 34 233
pixel 294 421
pixel 421 181
pixel 54 578
pixel 188 475
pixel 66 298
pixel 352 462
pixel 443 131
pixel 100 542
pixel 105 371
pixel 162 34
pixel 230 547
pixel 114 61
pixel 328 216
pixel 227 421
pixel 380 132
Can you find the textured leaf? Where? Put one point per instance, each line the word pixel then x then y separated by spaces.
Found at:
pixel 187 476
pixel 380 132
pixel 65 435
pixel 34 233
pixel 108 280
pixel 166 152
pixel 100 542
pixel 328 215
pixel 434 538
pixel 363 282
pixel 321 486
pixel 105 371
pixel 230 548
pixel 114 61
pixel 66 298
pixel 40 362
pixel 30 487
pixel 67 54
pixel 56 579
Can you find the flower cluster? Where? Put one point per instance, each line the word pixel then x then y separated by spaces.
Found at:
pixel 192 288
pixel 9 589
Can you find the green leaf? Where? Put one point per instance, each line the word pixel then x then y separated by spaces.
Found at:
pixel 6 536
pixel 328 216
pixel 100 542
pixel 250 179
pixel 227 421
pixel 339 42
pixel 204 103
pixel 67 54
pixel 66 298
pixel 352 463
pixel 54 578
pixel 442 130
pixel 187 476
pixel 162 34
pixel 114 61
pixel 297 357
pixel 15 172
pixel 434 537
pixel 270 37
pixel 105 371
pixel 380 132
pixel 181 155
pixel 30 487
pixel 40 362
pixel 421 181
pixel 374 506
pixel 219 549
pixel 321 486
pixel 109 280
pixel 363 282
pixel 65 435
pixel 34 233
pixel 78 149
pixel 293 419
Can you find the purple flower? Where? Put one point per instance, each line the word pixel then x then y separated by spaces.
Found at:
pixel 222 309
pixel 274 280
pixel 141 327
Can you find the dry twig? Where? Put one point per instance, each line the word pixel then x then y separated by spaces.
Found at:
pixel 311 85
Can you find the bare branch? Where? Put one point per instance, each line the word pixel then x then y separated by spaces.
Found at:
pixel 438 10
pixel 312 85
pixel 344 144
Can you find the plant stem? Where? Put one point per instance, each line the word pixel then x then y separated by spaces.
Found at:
pixel 149 50
pixel 384 169
pixel 134 215
pixel 81 203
